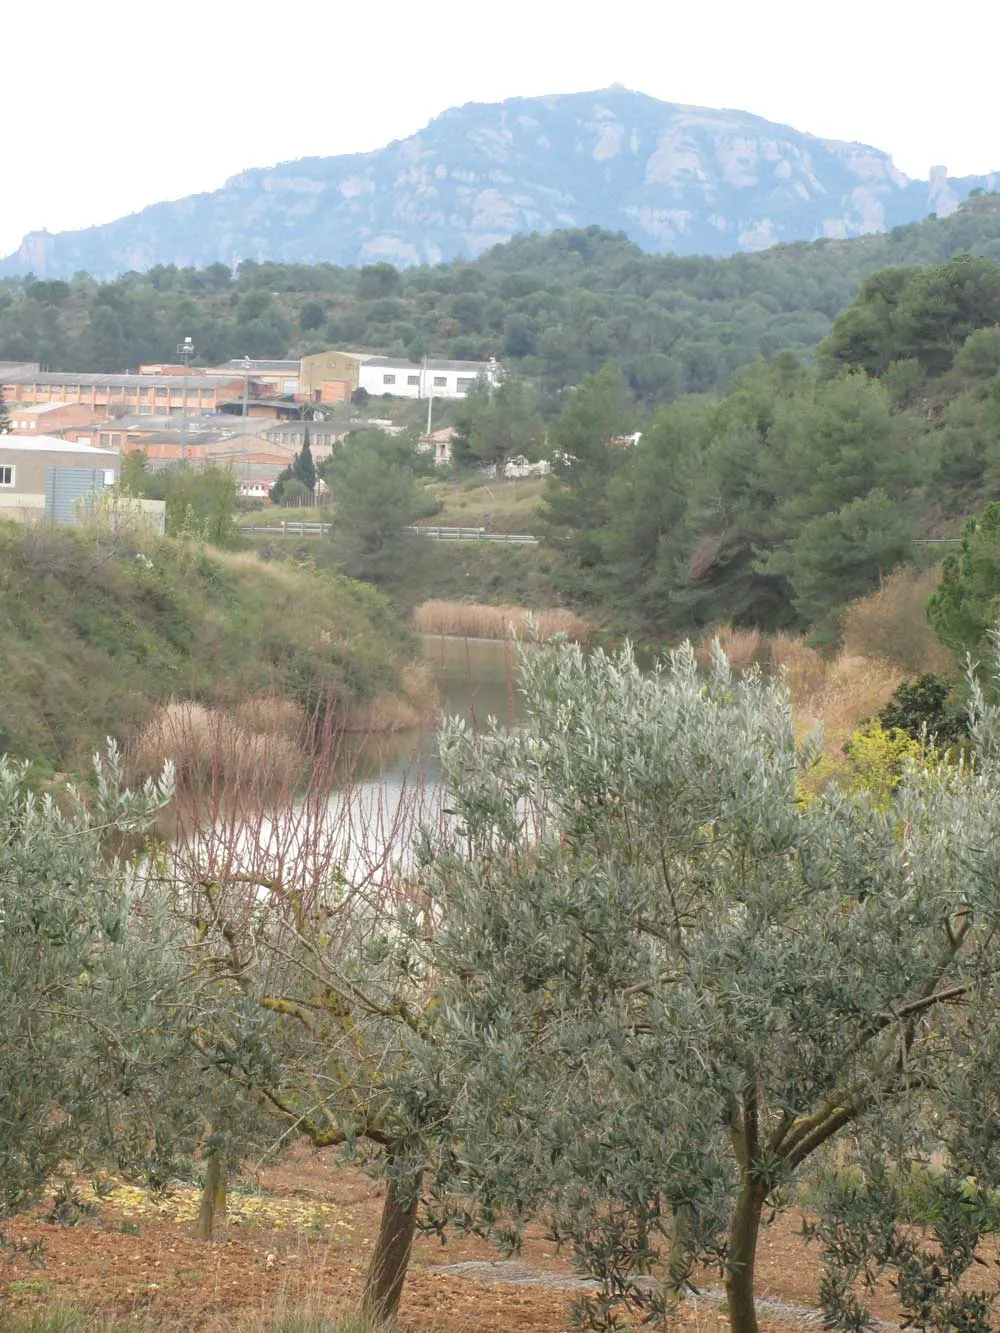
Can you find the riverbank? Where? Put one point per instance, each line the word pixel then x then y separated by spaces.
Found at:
pixel 98 635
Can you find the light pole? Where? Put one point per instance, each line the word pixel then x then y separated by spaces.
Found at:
pixel 185 351
pixel 246 395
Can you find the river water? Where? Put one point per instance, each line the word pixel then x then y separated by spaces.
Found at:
pixel 384 789
pixel 475 678
pixel 393 786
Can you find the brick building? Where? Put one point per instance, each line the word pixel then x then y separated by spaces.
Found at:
pixel 59 419
pixel 111 395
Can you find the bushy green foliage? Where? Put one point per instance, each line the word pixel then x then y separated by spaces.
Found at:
pixel 801 487
pixel 967 603
pixel 773 506
pixel 91 982
pixel 923 314
pixel 495 426
pixel 925 707
pixel 200 504
pixel 375 498
pixel 668 981
pixel 296 483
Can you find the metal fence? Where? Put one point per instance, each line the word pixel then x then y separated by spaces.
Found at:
pixel 293 528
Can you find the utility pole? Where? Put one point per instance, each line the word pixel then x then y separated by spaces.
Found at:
pixel 430 397
pixel 246 384
pixel 185 351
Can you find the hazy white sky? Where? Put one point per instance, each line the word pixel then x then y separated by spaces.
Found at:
pixel 109 105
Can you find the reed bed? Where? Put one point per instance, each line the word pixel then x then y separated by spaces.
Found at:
pixel 743 648
pixel 853 689
pixel 256 739
pixel 477 620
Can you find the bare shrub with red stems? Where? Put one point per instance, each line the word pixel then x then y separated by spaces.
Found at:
pixel 292 879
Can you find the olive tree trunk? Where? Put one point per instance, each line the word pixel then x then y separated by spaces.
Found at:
pixel 743 1232
pixel 213 1196
pixel 387 1271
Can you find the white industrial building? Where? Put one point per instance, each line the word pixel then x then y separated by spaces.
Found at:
pixel 430 379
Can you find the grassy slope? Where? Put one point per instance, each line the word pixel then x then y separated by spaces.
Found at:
pixel 509 505
pixel 91 640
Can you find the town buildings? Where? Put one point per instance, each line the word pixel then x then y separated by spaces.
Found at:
pixel 249 414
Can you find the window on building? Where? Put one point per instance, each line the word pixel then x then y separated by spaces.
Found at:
pixel 388 379
pixel 440 381
pixel 413 379
pixel 6 476
pixel 465 382
pixel 161 393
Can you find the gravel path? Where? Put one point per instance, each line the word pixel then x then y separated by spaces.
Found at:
pixel 517 1274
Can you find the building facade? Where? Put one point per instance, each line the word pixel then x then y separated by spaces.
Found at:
pixel 111 395
pixel 268 378
pixel 29 466
pixel 430 379
pixel 330 377
pixel 52 419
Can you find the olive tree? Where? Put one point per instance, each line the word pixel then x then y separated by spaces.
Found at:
pixel 91 985
pixel 671 975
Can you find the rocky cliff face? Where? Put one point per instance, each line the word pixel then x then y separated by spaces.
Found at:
pixel 674 178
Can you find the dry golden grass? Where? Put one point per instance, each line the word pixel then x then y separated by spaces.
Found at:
pixel 838 693
pixel 270 714
pixel 853 688
pixel 804 668
pixel 891 623
pixel 475 620
pixel 508 505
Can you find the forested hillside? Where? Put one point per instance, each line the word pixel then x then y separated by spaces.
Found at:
pixel 552 308
pixel 802 485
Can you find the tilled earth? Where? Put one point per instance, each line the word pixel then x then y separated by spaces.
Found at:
pixel 301 1239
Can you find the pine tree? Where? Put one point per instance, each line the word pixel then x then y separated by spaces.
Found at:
pixel 303 467
pixel 4 417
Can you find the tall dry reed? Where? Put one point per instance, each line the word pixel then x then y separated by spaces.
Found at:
pixel 838 693
pixel 259 738
pixel 477 620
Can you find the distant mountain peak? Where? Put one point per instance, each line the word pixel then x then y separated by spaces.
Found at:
pixel 673 177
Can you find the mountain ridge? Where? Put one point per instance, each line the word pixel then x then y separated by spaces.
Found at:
pixel 674 177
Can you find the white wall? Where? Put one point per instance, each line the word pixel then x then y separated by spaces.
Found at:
pixel 409 381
